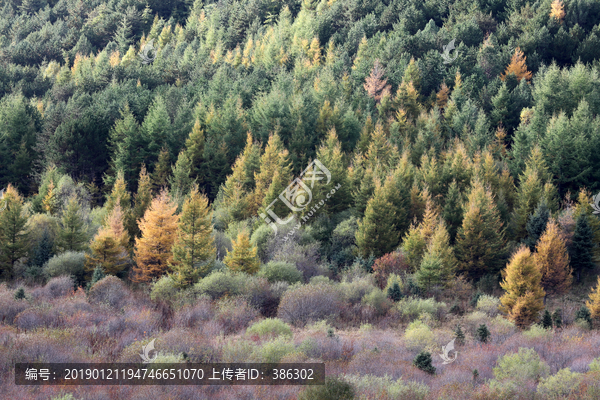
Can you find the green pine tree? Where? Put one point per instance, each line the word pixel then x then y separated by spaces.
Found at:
pixel 377 234
pixel 72 233
pixel 582 245
pixel 537 224
pixel 13 232
pixel 547 320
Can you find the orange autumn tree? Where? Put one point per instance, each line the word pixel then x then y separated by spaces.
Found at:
pixel 552 260
pixel 109 246
pixel 517 66
pixel 153 250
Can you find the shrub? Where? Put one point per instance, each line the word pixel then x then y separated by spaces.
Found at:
pixel 377 299
pixel 110 290
pixel 537 332
pixel 309 303
pixel 234 314
pixel 557 318
pixel 418 336
pixel 59 287
pixel 595 365
pixel 414 307
pixel 262 295
pixel 274 350
pixel 260 239
pixel 459 335
pixel 488 304
pixel 385 387
pixel 333 389
pixel 163 289
pixel 305 257
pixel 270 327
pixel 423 362
pixel 276 271
pixel 68 263
pixel 20 294
pixel 391 263
pixel 221 283
pixel 192 315
pixel 237 351
pixel 547 320
pixel 356 290
pixel 521 366
pixel 559 386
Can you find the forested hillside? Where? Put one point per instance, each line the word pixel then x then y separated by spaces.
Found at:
pixel 150 140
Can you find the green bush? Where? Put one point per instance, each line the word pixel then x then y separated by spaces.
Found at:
pixel 260 238
pixel 414 307
pixel 377 299
pixel 488 304
pixel 561 385
pixel 270 327
pixel 277 271
pixel 221 283
pixel 354 291
pixel 418 336
pixel 333 389
pixel 68 263
pixel 423 362
pixel 524 365
pixel 537 332
pixel 274 350
pixel 163 289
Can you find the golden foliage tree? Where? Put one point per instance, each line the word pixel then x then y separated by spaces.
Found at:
pixel 153 250
pixel 552 259
pixel 194 247
pixel 557 10
pixel 524 297
pixel 275 158
pixel 594 303
pixel 243 257
pixel 109 246
pixel 517 66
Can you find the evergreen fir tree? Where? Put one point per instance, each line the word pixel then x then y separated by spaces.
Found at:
pixel 194 150
pixel 181 181
pixel 581 246
pixel 153 250
pixel 72 233
pixel 557 318
pixel 194 248
pixel 41 252
pixel 97 276
pixel 536 225
pixel 20 294
pixel 480 247
pixel 162 171
pixel 157 130
pixel 331 155
pixel 524 295
pixel 547 320
pixel 459 335
pixel 584 314
pixel 243 257
pixel 483 333
pixel 13 231
pixel 376 232
pixel 394 292
pixel 453 212
pixel 423 362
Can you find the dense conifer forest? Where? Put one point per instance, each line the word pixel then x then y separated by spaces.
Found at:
pixel 436 164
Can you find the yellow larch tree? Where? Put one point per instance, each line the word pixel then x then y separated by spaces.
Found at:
pixel 109 246
pixel 517 66
pixel 552 260
pixel 594 303
pixel 524 297
pixel 243 257
pixel 153 250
